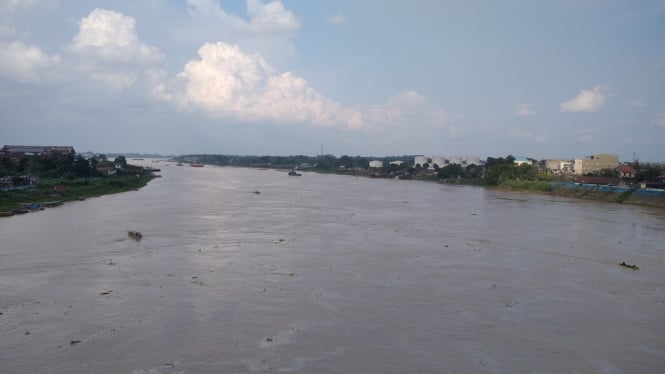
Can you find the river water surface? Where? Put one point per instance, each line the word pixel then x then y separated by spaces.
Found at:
pixel 330 274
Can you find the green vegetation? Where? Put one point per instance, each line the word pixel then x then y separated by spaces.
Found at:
pixel 65 177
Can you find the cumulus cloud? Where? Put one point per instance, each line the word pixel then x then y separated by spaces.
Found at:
pixel 108 48
pixel 270 17
pixel 524 110
pixel 23 62
pixel 263 18
pixel 587 100
pixel 336 19
pixel 227 82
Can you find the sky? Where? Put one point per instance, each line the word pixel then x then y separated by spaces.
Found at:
pixel 540 79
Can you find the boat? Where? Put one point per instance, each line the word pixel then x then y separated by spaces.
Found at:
pixel 294 173
pixel 179 164
pixel 135 235
pixel 8 213
pixel 197 164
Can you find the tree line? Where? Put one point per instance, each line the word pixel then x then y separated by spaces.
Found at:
pixel 57 165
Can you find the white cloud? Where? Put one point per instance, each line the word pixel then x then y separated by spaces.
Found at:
pixel 23 62
pixel 587 100
pixel 336 19
pixel 265 28
pixel 108 48
pixel 267 18
pixel 228 82
pixel 271 17
pixel 660 121
pixel 524 110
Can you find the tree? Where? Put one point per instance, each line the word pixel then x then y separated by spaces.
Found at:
pixel 451 171
pixel 345 161
pixel 122 161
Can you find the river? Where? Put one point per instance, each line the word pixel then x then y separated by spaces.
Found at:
pixel 251 271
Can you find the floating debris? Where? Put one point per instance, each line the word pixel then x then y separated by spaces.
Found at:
pixel 105 293
pixel 277 241
pixel 257 192
pixel 136 235
pixel 632 267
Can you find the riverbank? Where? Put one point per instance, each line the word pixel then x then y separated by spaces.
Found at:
pixel 75 189
pixel 650 198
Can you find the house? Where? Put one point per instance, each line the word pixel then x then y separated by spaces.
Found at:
pixel 519 161
pixel 626 171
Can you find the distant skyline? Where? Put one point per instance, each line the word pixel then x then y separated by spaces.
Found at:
pixel 542 79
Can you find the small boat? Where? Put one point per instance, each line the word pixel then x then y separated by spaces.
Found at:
pixel 294 173
pixel 179 164
pixel 197 164
pixel 8 213
pixel 135 235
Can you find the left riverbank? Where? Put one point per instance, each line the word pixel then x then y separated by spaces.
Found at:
pixel 63 190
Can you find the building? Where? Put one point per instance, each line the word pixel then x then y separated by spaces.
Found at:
pixel 376 164
pixel 472 160
pixel 455 160
pixel 595 163
pixel 559 167
pixel 17 152
pixel 626 171
pixel 439 160
pixel 519 161
pixel 420 160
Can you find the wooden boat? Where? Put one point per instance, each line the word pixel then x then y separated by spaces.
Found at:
pixel 135 235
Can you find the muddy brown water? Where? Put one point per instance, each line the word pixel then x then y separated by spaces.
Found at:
pixel 330 274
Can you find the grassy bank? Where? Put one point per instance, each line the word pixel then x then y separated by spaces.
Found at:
pixel 526 185
pixel 75 189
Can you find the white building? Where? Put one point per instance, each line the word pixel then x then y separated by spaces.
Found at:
pixel 472 160
pixel 439 160
pixel 376 164
pixel 420 160
pixel 455 160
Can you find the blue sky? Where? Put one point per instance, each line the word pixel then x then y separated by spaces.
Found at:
pixel 543 79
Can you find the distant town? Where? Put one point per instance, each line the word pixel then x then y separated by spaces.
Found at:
pixel 19 166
